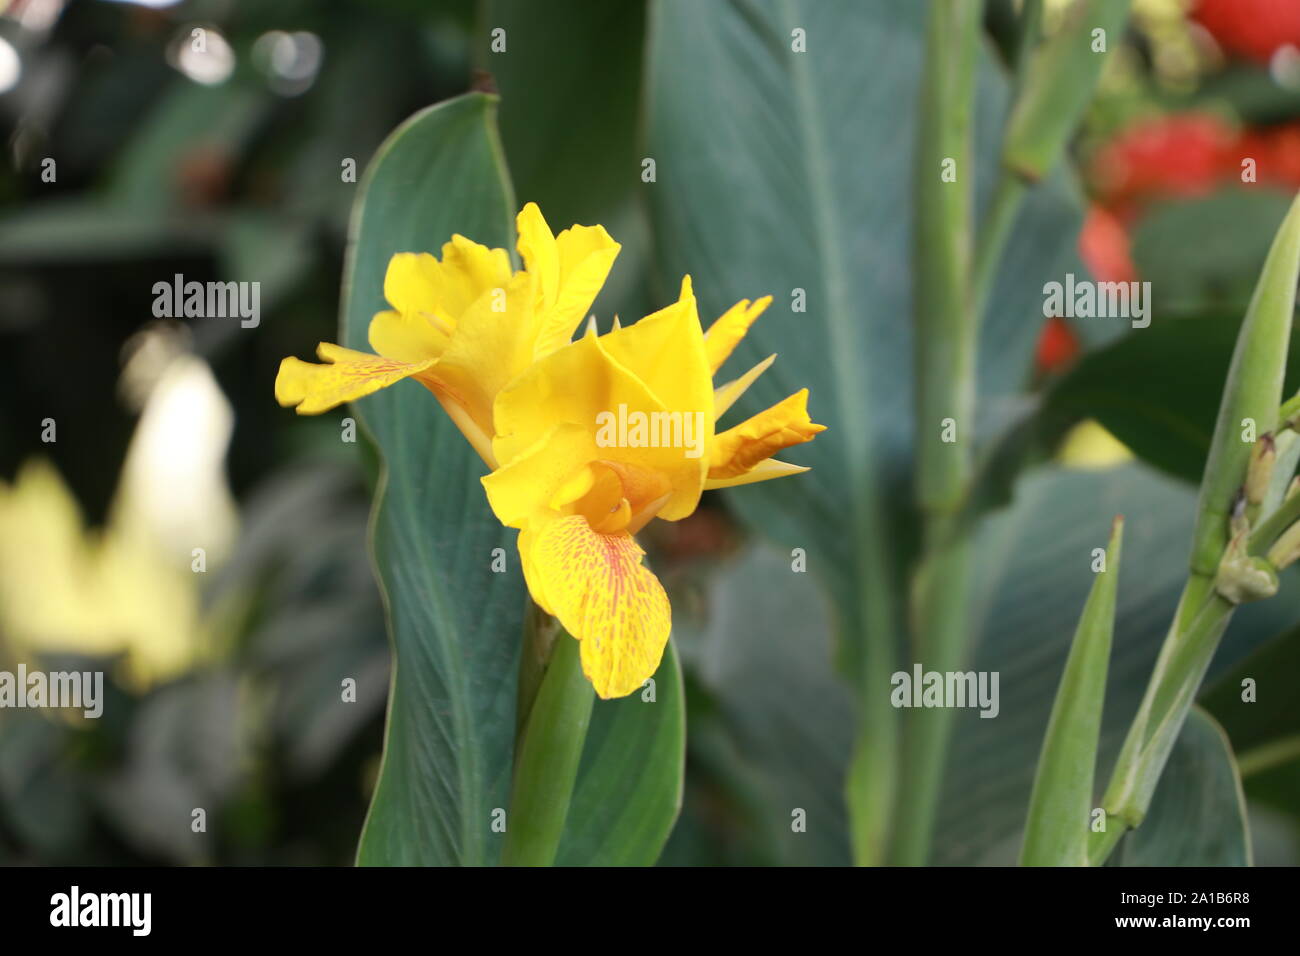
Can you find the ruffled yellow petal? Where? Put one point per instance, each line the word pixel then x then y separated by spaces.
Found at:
pixel 536 244
pixel 347 375
pixel 470 270
pixel 597 587
pixel 724 396
pixel 586 254
pixel 739 449
pixel 420 286
pixel 725 334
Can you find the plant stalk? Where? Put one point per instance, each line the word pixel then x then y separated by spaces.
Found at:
pixel 946 331
pixel 547 753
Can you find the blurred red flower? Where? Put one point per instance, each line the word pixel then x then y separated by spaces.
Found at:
pixel 1251 28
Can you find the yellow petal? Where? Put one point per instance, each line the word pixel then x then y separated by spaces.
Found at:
pixel 739 449
pixel 725 334
pixel 764 470
pixel 586 254
pixel 406 337
pixel 724 396
pixel 597 587
pixel 536 244
pixel 469 270
pixel 536 481
pixel 665 350
pixel 583 384
pixel 348 375
pixel 412 282
pixel 492 344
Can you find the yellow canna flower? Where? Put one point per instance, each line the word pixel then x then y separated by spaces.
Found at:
pixel 601 436
pixel 464 325
pixel 587 440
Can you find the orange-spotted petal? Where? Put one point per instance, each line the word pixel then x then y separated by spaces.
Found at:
pixel 597 587
pixel 346 375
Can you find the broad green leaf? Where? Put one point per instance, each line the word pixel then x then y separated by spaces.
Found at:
pixel 1129 386
pixel 1061 801
pixel 575 145
pixel 760 643
pixel 1204 253
pixel 455 625
pixel 1255 703
pixel 1198 814
pixel 571 139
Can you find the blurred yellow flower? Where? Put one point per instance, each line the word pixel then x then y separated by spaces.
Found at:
pixel 127 590
pixel 587 440
pixel 1089 446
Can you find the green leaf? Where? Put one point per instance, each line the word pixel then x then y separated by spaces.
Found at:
pixel 1198 814
pixel 1060 805
pixel 572 141
pixel 575 144
pixel 1264 729
pixel 548 750
pixel 1253 390
pixel 630 782
pixel 455 625
pixel 1204 253
pixel 760 643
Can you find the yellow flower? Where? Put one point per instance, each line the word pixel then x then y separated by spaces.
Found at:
pixel 601 436
pixel 587 440
pixel 464 325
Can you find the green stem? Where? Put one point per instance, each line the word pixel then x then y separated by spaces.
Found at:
pixel 995 230
pixel 1169 696
pixel 546 759
pixel 939 617
pixel 946 328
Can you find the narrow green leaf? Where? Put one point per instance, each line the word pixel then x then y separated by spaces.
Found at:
pixel 547 755
pixel 1059 809
pixel 1252 393
pixel 1058 84
pixel 630 782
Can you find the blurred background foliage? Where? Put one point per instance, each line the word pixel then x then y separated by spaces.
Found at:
pixel 224 686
